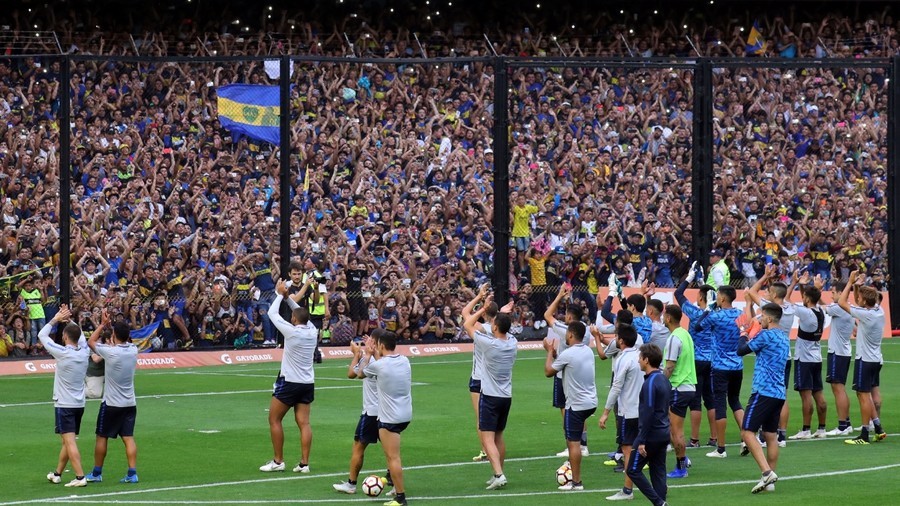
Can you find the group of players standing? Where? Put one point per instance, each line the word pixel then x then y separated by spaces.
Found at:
pixel 660 372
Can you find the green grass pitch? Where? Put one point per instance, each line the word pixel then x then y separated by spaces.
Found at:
pixel 202 434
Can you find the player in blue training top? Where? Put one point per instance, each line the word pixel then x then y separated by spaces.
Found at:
pixel 727 366
pixel 703 350
pixel 772 349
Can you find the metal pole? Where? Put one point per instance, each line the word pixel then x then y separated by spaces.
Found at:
pixel 701 167
pixel 893 203
pixel 501 182
pixel 65 183
pixel 284 160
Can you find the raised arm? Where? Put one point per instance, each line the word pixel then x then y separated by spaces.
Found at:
pixel 845 294
pixel 554 306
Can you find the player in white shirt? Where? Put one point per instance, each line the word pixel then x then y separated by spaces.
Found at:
pixel 496 387
pixel 478 356
pixel 68 390
pixel 118 411
pixel 840 353
pixel 394 378
pixel 294 387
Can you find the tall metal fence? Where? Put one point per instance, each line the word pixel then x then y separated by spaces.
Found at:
pixel 407 182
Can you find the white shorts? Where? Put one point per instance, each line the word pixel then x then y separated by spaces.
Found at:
pixel 93 387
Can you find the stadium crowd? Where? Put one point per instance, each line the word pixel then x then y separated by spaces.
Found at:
pixel 175 220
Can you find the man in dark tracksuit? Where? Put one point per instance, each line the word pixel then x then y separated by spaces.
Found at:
pixel 653 428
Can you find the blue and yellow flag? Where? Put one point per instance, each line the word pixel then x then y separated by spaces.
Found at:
pixel 756 44
pixel 251 110
pixel 143 337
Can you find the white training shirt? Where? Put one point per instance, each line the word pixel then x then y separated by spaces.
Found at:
pixel 576 364
pixel 394 377
pixel 869 333
pixel 299 346
pixel 499 358
pixel 121 362
pixel 71 368
pixel 478 355
pixel 841 330
pixel 370 387
pixel 627 382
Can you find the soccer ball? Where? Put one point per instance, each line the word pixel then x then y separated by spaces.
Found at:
pixel 373 485
pixel 564 474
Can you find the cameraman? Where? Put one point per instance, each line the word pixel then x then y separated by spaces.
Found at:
pixel 316 298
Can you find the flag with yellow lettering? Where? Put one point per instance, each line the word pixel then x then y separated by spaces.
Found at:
pixel 251 110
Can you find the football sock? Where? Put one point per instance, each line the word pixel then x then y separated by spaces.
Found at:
pixel 843 424
pixel 720 449
pixel 79 477
pixel 877 423
pixel 132 472
pixel 56 474
pixel 821 426
pixel 806 428
pixel 782 434
pixel 627 490
pixel 695 441
pixel 352 482
pixel 864 434
pixel 681 463
pixel 98 470
pixel 401 497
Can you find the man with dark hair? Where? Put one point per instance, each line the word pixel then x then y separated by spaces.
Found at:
pixel 659 334
pixel 496 387
pixel 607 348
pixel 653 428
pixel 682 374
pixel 771 345
pixel 576 363
pixel 490 312
pixel 839 353
pixel 808 353
pixel 625 395
pixel 118 411
pixel 703 350
pixel 867 367
pixel 557 334
pixel 295 385
pixel 727 366
pixel 777 293
pixel 367 428
pixel 68 390
pixel 393 376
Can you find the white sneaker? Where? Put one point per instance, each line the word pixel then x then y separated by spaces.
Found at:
pixel 571 486
pixel 300 468
pixel 77 483
pixel 819 433
pixel 499 481
pixel 770 487
pixel 716 455
pixel 271 467
pixel 53 478
pixel 621 496
pixel 584 451
pixel 803 434
pixel 491 480
pixel 764 481
pixel 564 453
pixel 391 493
pixel 669 448
pixel 345 487
pixel 782 443
pixel 763 444
pixel 838 432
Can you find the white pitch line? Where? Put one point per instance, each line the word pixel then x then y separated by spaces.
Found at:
pixel 191 394
pixel 411 468
pixel 497 495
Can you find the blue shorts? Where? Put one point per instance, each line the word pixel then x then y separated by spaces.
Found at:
pixel 679 402
pixel 474 386
pixel 493 413
pixel 68 420
pixel 573 423
pixel 866 375
pixel 522 243
pixel 838 368
pixel 704 391
pixel 292 394
pixel 808 376
pixel 628 431
pixel 762 413
pixel 396 428
pixel 113 422
pixel 366 429
pixel 559 395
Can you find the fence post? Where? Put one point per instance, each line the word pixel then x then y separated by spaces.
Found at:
pixel 65 183
pixel 893 203
pixel 501 182
pixel 284 162
pixel 701 163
